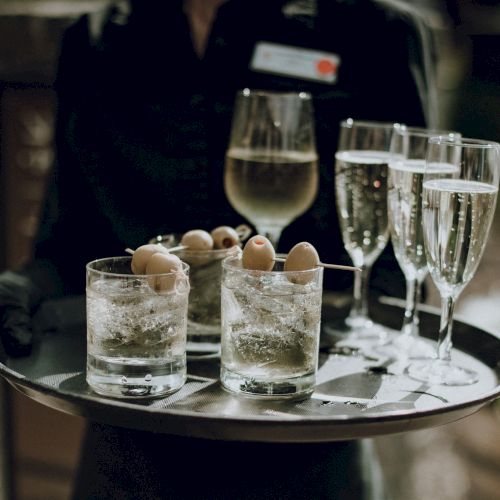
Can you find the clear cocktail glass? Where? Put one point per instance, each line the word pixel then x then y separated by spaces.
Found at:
pixel 204 309
pixel 136 330
pixel 270 330
pixel 205 273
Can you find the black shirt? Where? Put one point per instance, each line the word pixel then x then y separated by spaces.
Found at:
pixel 143 123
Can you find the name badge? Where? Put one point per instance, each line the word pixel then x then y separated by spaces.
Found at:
pixel 295 62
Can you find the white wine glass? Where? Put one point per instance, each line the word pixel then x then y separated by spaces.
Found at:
pixel 457 213
pixel 271 171
pixel 361 164
pixel 404 203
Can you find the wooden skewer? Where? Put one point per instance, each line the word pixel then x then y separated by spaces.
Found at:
pixel 178 247
pixel 243 231
pixel 328 266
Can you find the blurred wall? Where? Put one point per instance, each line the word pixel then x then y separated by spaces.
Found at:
pixel 41 447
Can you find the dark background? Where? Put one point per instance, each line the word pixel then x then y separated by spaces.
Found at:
pixel 38 446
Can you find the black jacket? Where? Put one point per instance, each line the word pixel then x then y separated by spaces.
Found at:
pixel 143 124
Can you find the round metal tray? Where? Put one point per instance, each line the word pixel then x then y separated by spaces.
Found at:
pixel 355 396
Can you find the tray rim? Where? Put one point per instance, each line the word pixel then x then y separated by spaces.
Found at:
pixel 90 405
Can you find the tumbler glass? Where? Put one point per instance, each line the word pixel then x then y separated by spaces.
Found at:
pixel 204 323
pixel 205 273
pixel 136 330
pixel 270 330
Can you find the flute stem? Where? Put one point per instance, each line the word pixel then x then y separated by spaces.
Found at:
pixel 445 328
pixel 339 266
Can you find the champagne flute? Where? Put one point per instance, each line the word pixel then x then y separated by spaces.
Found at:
pixel 361 164
pixel 457 213
pixel 271 171
pixel 404 196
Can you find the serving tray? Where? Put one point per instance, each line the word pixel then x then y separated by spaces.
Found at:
pixel 356 395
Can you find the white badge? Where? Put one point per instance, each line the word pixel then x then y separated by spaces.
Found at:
pixel 295 62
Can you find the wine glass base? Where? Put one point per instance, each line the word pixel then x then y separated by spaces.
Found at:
pixel 436 372
pixel 406 347
pixel 363 328
pixel 358 340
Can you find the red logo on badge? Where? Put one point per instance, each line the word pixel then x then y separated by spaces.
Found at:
pixel 326 67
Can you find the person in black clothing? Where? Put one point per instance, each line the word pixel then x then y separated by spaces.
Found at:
pixel 144 112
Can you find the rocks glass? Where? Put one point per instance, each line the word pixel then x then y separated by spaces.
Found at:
pixel 136 336
pixel 270 330
pixel 204 323
pixel 205 271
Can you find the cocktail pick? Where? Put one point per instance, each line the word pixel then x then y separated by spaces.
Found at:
pixel 304 256
pixel 219 238
pixel 259 254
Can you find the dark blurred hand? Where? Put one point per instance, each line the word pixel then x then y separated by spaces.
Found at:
pixel 15 313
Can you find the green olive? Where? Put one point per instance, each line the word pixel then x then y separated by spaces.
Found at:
pixel 258 254
pixel 166 265
pixel 225 237
pixel 197 239
pixel 142 255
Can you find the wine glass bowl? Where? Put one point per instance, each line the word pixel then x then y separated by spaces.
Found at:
pixel 457 212
pixel 271 171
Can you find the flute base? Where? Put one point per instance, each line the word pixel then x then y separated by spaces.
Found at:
pixel 437 372
pixel 404 346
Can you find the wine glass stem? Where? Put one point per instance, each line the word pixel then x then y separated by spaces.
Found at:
pixel 359 308
pixel 444 341
pixel 411 319
pixel 272 233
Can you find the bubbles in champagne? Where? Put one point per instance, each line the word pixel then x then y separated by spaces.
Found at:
pixel 361 189
pixel 405 211
pixel 457 216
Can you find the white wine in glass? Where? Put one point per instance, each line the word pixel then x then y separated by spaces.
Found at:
pixel 457 213
pixel 271 171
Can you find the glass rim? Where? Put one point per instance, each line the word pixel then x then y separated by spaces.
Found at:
pixel 228 263
pixel 248 92
pixel 464 142
pixel 89 268
pixel 216 252
pixel 350 122
pixel 426 132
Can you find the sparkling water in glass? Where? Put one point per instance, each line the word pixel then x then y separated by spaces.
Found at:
pixel 204 323
pixel 136 336
pixel 205 272
pixel 270 330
